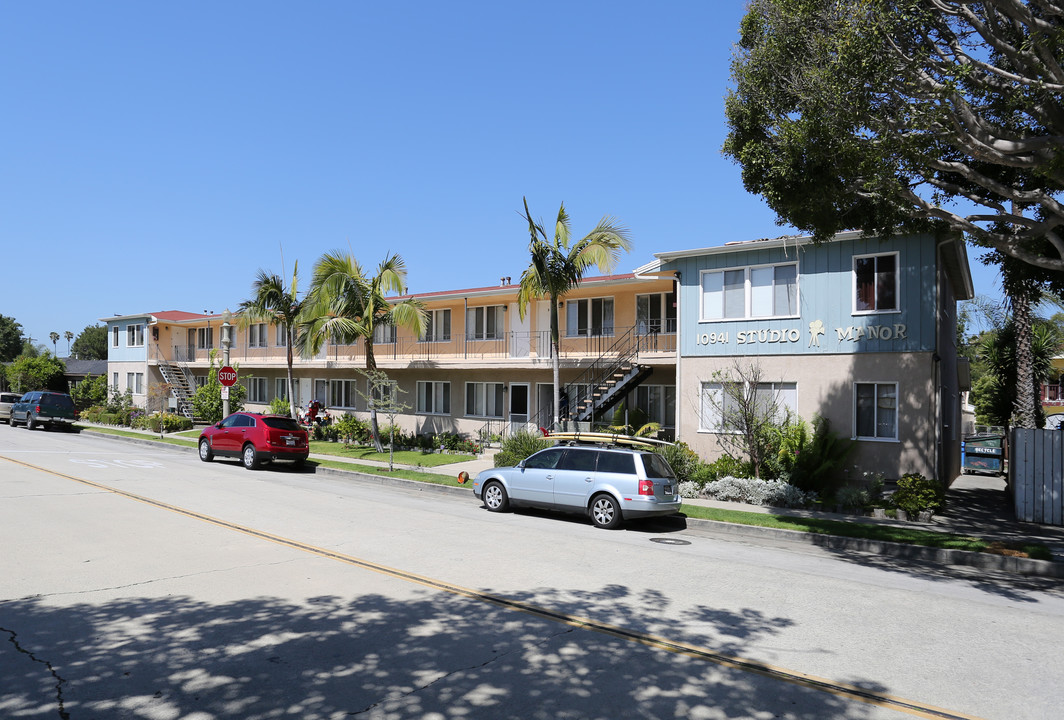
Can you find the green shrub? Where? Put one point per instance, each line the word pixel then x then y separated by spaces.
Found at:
pixel 93 414
pixel 818 462
pixel 279 406
pixel 728 466
pixel 682 459
pixel 916 493
pixel 352 430
pixel 518 446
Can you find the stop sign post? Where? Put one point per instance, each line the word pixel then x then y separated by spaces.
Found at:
pixel 227 376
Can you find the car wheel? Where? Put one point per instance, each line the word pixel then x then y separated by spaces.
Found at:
pixel 249 457
pixel 605 512
pixel 30 422
pixel 495 497
pixel 205 452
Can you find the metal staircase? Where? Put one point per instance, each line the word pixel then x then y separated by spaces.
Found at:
pixel 605 382
pixel 182 385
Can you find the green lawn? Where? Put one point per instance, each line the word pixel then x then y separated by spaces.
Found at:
pixel 403 457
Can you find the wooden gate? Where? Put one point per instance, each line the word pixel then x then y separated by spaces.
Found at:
pixel 1036 475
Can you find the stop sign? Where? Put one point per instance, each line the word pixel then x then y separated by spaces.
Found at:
pixel 227 376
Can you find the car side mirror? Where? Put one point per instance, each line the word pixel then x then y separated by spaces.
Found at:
pixel 521 464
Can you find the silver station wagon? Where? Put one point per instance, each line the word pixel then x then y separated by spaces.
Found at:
pixel 607 484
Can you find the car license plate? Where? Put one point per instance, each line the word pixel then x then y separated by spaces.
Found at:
pixel 668 489
pixel 290 442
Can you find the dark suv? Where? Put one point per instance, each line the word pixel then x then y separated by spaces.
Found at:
pixel 49 409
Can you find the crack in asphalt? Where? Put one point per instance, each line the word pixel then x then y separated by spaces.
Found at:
pixel 59 681
pixel 489 661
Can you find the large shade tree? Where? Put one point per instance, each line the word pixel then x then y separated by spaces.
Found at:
pixel 889 115
pixel 345 305
pixel 10 338
pixel 91 343
pixel 558 265
pixel 275 303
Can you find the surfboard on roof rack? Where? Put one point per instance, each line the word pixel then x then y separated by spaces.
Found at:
pixel 595 438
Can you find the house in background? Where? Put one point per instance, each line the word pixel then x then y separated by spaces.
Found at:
pixel 860 331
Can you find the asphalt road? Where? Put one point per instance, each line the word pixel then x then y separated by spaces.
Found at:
pixel 141 583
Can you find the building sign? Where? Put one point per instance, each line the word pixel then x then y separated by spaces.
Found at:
pixel 896 331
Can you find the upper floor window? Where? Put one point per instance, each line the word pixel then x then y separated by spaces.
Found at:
pixel 438 326
pixel 750 292
pixel 655 313
pixel 134 335
pixel 257 336
pixel 589 317
pixel 384 334
pixel 114 336
pixel 875 283
pixel 205 338
pixel 484 323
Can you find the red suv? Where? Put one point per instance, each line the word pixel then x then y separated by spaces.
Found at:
pixel 255 439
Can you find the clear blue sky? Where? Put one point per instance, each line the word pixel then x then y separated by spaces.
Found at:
pixel 153 156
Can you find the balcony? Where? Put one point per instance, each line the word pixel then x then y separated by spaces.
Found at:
pixel 1052 395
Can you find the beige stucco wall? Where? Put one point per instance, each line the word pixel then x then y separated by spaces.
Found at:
pixel 825 387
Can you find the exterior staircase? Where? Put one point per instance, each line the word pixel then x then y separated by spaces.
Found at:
pixel 182 385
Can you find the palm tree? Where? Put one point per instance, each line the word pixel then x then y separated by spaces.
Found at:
pixel 558 266
pixel 345 304
pixel 69 336
pixel 278 305
pixel 54 337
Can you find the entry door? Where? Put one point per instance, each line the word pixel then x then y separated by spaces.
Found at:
pixel 520 333
pixel 518 406
pixel 321 391
pixel 542 334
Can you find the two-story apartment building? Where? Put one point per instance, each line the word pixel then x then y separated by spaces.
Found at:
pixel 860 331
pixel 479 367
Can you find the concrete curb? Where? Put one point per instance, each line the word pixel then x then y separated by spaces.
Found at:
pixel 920 553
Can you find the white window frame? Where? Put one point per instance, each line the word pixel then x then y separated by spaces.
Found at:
pixel 663 322
pixel 438 327
pixel 897 284
pixel 135 335
pixel 280 336
pixel 606 328
pixel 114 380
pixel 115 333
pixel 480 319
pixel 705 296
pixel 258 390
pixel 280 387
pixel 485 399
pixel 257 335
pixel 384 334
pixel 431 394
pixel 204 338
pixel 709 419
pixel 876 419
pixel 342 394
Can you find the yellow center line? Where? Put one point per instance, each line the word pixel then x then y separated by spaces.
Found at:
pixel 795 677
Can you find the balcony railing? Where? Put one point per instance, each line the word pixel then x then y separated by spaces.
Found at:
pixel 1053 394
pixel 511 345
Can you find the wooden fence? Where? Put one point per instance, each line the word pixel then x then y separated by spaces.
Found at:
pixel 1036 475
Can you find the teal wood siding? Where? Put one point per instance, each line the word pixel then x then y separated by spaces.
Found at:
pixel 825 295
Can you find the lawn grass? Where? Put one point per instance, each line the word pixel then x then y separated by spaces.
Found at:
pixel 866 531
pixel 403 473
pixel 403 457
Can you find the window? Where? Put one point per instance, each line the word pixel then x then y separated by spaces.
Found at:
pixel 114 341
pixel 201 380
pixel 484 323
pixel 721 401
pixel 876 411
pixel 752 292
pixel 257 335
pixel 114 378
pixel 875 283
pixel 589 317
pixel 384 334
pixel 134 382
pixel 134 335
pixel 484 399
pixel 438 328
pixel 257 390
pixel 382 393
pixel 205 338
pixel 280 388
pixel 434 398
pixel 658 402
pixel 655 313
pixel 281 338
pixel 342 393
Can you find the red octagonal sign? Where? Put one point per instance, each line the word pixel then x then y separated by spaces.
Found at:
pixel 227 376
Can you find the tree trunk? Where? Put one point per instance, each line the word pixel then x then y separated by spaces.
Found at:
pixel 556 360
pixel 1024 411
pixel 291 394
pixel 371 365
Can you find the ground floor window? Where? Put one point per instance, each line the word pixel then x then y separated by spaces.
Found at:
pixel 135 383
pixel 721 403
pixel 658 402
pixel 876 411
pixel 434 398
pixel 280 388
pixel 484 400
pixel 342 393
pixel 257 390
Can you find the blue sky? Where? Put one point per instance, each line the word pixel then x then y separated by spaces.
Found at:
pixel 154 156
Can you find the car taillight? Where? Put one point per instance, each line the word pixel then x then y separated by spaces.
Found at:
pixel 37 409
pixel 646 487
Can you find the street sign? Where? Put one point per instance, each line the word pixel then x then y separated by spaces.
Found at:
pixel 227 376
pixel 225 393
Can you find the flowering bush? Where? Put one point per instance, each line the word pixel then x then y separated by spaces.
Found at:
pixel 757 492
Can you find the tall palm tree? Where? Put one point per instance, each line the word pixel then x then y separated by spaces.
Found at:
pixel 69 336
pixel 559 265
pixel 54 337
pixel 274 303
pixel 345 304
